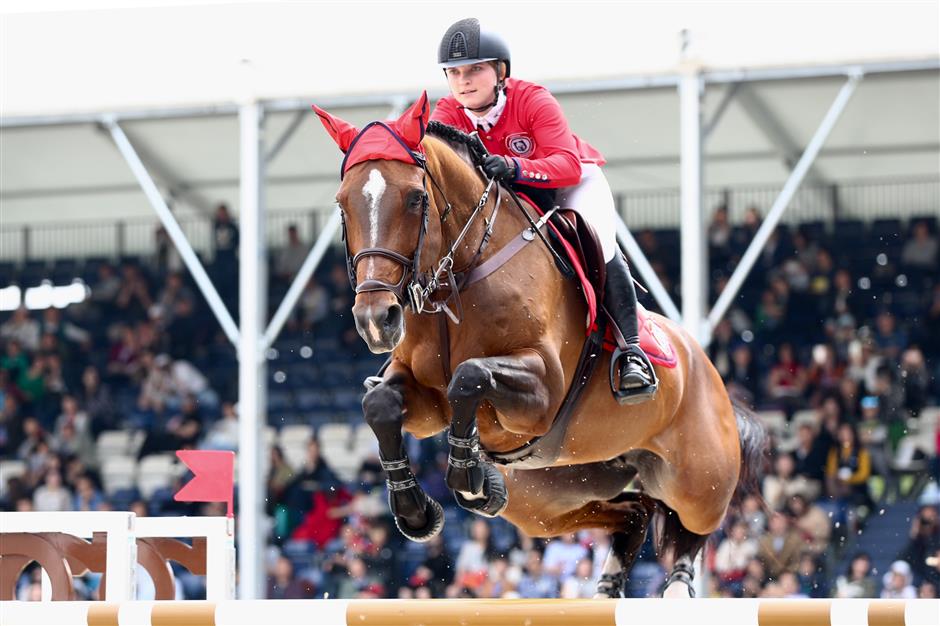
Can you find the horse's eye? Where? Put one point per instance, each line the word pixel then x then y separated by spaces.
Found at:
pixel 416 200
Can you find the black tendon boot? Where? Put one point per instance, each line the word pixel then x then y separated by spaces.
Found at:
pixel 632 378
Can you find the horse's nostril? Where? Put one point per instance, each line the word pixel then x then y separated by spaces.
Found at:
pixel 393 317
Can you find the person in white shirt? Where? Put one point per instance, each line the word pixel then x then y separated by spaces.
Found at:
pixel 562 555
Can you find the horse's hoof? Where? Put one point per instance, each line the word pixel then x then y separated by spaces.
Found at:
pixel 679 589
pixel 494 488
pixel 679 583
pixel 468 477
pixel 609 586
pixel 435 524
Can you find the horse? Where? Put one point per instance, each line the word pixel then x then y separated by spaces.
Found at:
pixel 494 367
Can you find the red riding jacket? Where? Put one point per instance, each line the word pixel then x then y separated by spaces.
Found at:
pixel 533 131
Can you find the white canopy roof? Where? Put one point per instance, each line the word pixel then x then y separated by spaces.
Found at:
pixel 101 60
pixel 170 53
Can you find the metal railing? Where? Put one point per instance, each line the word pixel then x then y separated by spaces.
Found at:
pixel 867 200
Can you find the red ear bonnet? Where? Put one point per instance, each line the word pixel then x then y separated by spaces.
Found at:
pixel 341 131
pixel 395 141
pixel 413 122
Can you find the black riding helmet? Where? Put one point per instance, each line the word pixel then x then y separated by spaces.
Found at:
pixel 466 42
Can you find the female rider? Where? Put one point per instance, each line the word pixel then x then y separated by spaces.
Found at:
pixel 532 149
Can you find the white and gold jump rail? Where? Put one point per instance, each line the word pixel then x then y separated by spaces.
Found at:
pixel 122 529
pixel 655 612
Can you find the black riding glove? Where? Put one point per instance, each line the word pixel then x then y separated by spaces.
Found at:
pixel 499 167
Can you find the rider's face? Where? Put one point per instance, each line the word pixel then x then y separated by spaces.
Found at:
pixel 472 85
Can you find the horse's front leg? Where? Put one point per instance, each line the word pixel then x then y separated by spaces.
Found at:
pixel 417 516
pixel 514 385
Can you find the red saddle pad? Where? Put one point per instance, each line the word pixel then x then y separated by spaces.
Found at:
pixel 653 340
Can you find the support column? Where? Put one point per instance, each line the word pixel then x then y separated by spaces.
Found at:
pixel 694 262
pixel 251 365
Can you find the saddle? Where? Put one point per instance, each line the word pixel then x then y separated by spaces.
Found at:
pixel 577 242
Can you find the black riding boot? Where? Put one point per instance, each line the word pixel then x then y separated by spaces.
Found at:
pixel 632 378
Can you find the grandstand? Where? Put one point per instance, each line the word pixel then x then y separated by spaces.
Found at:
pixel 113 353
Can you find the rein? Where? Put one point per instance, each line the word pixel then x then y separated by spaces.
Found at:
pixel 416 288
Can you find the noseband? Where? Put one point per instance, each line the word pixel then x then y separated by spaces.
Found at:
pixel 415 288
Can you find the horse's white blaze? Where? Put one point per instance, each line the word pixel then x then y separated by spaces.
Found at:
pixel 373 328
pixel 373 190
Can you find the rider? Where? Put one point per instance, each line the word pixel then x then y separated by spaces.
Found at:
pixel 532 149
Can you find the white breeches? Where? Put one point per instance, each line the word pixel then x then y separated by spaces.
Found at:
pixel 591 199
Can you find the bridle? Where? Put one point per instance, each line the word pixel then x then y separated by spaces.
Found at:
pixel 414 288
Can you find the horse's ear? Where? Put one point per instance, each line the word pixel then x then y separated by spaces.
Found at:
pixel 341 131
pixel 413 122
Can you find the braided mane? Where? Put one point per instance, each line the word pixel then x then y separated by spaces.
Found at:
pixel 457 139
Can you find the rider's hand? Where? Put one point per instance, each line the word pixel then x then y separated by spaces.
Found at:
pixel 499 167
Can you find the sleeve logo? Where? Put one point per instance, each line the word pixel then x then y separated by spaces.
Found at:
pixel 520 144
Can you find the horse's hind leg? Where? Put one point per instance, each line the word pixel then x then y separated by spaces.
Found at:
pixel 625 545
pixel 684 546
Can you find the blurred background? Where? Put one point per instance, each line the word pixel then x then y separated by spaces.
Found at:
pixel 112 355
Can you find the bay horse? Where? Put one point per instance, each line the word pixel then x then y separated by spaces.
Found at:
pixel 496 372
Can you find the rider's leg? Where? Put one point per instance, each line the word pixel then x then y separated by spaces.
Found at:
pixel 592 200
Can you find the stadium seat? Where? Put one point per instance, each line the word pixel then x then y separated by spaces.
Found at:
pixel 156 471
pixel 122 499
pixel 931 223
pixel 887 230
pixel 774 421
pixel 10 469
pixel 336 446
pixel 333 433
pixel 7 274
pixel 364 442
pixel 293 441
pixel 295 433
pixel 309 400
pixel 807 416
pixel 118 472
pixel 114 443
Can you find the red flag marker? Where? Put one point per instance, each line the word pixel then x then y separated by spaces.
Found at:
pixel 213 477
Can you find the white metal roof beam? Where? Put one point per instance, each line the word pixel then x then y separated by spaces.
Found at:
pixel 285 136
pixel 789 150
pixel 173 230
pixel 646 271
pixel 300 281
pixel 772 128
pixel 628 83
pixel 726 98
pixel 783 200
pixel 175 186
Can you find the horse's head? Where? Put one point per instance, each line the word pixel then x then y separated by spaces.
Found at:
pixel 385 207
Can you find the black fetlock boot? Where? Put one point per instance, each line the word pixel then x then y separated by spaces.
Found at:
pixel 632 377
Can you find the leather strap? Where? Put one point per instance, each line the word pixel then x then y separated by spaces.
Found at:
pixel 397 464
pixel 499 259
pixel 543 451
pixel 445 347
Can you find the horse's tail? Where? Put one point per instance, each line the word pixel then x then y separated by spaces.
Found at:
pixel 754 442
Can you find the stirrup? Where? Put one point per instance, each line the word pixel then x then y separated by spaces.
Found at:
pixel 636 395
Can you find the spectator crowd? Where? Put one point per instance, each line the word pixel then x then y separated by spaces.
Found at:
pixel 834 342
